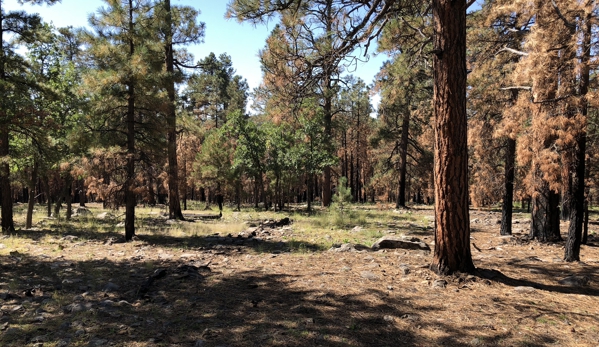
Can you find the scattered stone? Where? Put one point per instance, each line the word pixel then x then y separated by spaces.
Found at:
pixel 78 307
pixel 369 275
pixel 83 211
pixel 404 269
pixel 62 343
pixel 98 343
pixel 104 215
pixel 110 287
pixel 120 225
pixel 38 339
pixel 200 343
pixel 525 289
pixel 356 229
pixel 575 281
pixel 391 242
pixel 309 320
pixel 475 221
pixel 348 247
pixel 388 318
pixel 476 341
pixel 440 284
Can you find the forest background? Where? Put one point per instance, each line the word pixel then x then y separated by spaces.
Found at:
pixel 121 112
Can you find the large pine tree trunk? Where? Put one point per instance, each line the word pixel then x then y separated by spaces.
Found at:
pixel 452 222
pixel 508 194
pixel 174 204
pixel 403 156
pixel 545 214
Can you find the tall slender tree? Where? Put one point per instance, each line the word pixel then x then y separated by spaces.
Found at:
pixel 13 87
pixel 179 26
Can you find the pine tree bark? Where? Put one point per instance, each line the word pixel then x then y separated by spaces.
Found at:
pixel 577 216
pixel 508 194
pixel 452 222
pixel 129 193
pixel 8 224
pixel 403 156
pixel 31 202
pixel 174 204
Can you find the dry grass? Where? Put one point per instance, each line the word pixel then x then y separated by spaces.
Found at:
pixel 286 290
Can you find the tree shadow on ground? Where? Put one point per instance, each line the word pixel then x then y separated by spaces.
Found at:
pixel 181 303
pixel 72 302
pixel 497 276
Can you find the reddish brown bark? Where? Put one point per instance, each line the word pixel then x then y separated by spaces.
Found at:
pixel 452 222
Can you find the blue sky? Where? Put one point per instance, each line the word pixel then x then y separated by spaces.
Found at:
pixel 240 40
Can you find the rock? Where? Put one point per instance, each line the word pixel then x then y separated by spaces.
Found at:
pixel 440 284
pixel 404 269
pixel 356 229
pixel 98 343
pixel 83 211
pixel 200 343
pixel 120 225
pixel 349 247
pixel 369 275
pixel 474 221
pixel 70 238
pixel 62 343
pixel 391 242
pixel 575 281
pixel 103 215
pixel 110 287
pixel 78 307
pixel 38 339
pixel 524 289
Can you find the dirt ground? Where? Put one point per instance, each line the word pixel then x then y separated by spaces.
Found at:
pixel 271 285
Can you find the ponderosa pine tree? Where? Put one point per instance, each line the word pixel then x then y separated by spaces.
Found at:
pixel 452 222
pixel 16 26
pixel 179 27
pixel 127 66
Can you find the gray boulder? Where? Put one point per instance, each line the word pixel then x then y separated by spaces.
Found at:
pixel 392 242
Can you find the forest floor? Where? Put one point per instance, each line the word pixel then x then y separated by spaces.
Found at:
pixel 244 280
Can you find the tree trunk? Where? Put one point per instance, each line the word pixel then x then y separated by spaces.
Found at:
pixel 452 222
pixel 48 197
pixel 327 108
pixel 69 195
pixel 577 215
pixel 81 191
pixel 174 204
pixel 545 215
pixel 31 202
pixel 585 229
pixel 508 194
pixel 129 193
pixel 403 156
pixel 8 224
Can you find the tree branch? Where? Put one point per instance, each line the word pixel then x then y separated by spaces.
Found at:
pixel 511 50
